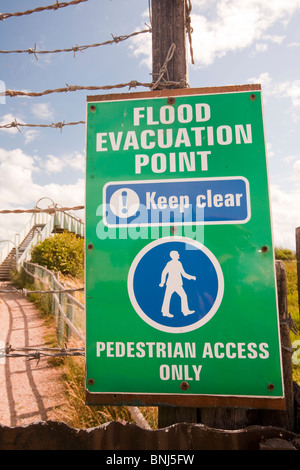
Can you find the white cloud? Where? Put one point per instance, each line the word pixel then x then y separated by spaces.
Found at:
pixel 55 164
pixel 16 158
pixel 16 169
pixel 31 135
pixel 262 47
pixel 222 26
pixel 290 158
pixel 264 79
pixel 231 25
pixel 270 151
pixel 42 111
pixel 274 38
pixel 18 190
pixel 288 89
pixel 296 172
pixel 17 186
pixel 141 46
pixel 285 215
pixel 77 161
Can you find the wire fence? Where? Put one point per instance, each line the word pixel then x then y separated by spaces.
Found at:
pixel 62 301
pixel 55 6
pixel 54 125
pixel 68 311
pixel 159 83
pixel 74 49
pixel 72 88
pixel 38 353
pixel 37 210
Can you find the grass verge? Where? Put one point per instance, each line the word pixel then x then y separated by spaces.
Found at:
pixel 293 310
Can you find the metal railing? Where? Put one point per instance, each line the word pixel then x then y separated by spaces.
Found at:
pixel 70 315
pixel 50 222
pixel 68 311
pixel 36 219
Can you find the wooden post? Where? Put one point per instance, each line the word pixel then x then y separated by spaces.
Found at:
pixel 237 418
pixel 298 262
pixel 168 28
pixel 285 419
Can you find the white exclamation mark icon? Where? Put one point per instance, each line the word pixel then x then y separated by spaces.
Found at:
pixel 123 202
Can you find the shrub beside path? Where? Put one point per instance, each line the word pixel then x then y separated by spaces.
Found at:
pixel 30 390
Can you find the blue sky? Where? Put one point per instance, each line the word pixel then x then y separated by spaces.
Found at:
pixel 234 42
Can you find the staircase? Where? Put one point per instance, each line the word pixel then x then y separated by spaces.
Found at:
pixel 40 226
pixel 8 265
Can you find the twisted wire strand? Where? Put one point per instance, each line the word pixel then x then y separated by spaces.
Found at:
pixel 74 49
pixel 49 210
pixel 37 353
pixel 55 6
pixel 54 125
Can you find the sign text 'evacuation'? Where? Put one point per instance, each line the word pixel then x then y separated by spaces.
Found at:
pixel 166 138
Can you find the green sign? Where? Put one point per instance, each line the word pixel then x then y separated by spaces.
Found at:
pixel 180 286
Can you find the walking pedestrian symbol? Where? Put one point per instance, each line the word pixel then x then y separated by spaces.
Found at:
pixel 174 271
pixel 175 284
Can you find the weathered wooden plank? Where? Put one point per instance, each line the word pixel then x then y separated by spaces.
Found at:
pixel 116 436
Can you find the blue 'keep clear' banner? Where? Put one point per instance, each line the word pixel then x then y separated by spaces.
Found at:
pixel 184 201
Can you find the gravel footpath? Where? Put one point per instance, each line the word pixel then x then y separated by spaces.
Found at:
pixel 30 390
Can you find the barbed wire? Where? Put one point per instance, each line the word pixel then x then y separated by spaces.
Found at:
pixel 164 68
pixel 10 352
pixel 291 324
pixel 26 291
pixel 131 84
pixel 188 26
pixel 55 6
pixel 37 353
pixel 49 210
pixel 74 49
pixel 54 125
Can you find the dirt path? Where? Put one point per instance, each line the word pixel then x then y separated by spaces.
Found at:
pixel 30 390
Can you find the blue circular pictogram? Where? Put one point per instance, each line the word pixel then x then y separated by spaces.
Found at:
pixel 175 284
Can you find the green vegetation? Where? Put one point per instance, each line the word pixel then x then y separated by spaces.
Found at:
pixel 293 308
pixel 77 414
pixel 63 252
pixel 284 254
